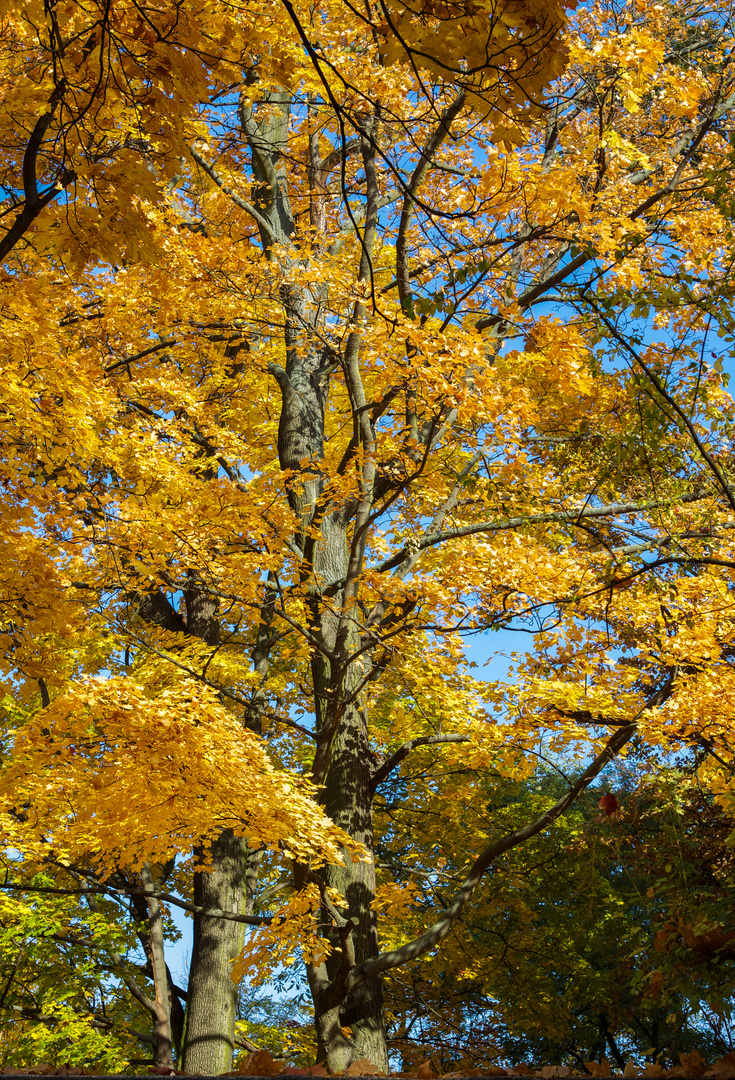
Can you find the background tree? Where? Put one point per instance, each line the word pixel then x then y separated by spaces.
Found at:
pixel 61 1000
pixel 600 939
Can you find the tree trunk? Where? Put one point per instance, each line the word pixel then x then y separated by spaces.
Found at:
pixel 342 758
pixel 209 1025
pixel 163 1055
pixel 351 1026
pixel 348 801
pixel 212 995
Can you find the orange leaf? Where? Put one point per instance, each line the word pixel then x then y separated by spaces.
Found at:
pixel 693 1064
pixel 609 804
pixel 260 1063
pixel 723 1068
pixel 364 1067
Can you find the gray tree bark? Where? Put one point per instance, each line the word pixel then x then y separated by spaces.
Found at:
pixel 209 1031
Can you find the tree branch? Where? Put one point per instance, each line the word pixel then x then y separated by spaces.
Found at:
pixel 98 1022
pixel 437 137
pixel 687 145
pixel 388 766
pixel 427 941
pixel 555 516
pixel 109 890
pixel 167 344
pixel 671 402
pixel 275 234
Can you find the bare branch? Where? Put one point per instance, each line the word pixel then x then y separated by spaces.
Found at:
pixel 435 934
pixel 383 772
pixel 109 890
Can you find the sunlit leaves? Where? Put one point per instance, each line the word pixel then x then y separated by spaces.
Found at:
pixel 120 774
pixel 256 497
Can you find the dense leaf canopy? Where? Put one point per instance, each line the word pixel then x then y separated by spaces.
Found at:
pixel 333 336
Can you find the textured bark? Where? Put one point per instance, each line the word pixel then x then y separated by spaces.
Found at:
pixel 343 767
pixel 342 758
pixel 212 995
pixel 348 801
pixel 163 1054
pixel 209 1025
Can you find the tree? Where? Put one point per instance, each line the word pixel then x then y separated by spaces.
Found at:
pixel 599 939
pixel 58 989
pixel 288 413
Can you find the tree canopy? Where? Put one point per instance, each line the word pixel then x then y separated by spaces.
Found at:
pixel 334 336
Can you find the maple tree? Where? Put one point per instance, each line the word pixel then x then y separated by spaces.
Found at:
pixel 333 335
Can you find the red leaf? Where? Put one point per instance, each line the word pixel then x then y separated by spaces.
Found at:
pixel 609 804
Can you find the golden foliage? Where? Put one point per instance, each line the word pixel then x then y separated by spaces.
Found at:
pixel 307 375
